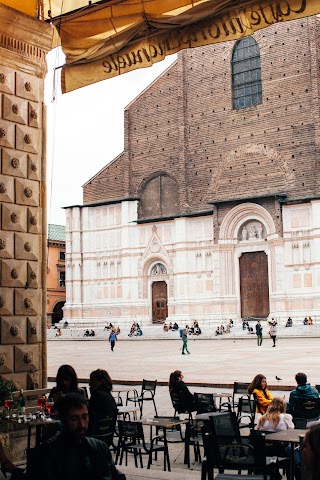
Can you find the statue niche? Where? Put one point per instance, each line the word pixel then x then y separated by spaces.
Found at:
pixel 252 230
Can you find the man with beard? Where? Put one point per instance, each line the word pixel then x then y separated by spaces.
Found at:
pixel 70 455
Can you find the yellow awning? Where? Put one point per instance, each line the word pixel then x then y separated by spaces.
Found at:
pixel 111 37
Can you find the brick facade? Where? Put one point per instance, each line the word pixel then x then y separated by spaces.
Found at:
pixel 184 126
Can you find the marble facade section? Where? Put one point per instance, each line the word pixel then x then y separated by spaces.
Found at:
pixel 202 278
pixel 23 47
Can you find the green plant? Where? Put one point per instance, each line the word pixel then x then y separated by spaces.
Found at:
pixel 7 387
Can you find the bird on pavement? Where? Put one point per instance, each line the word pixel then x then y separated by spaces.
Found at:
pixel 277 378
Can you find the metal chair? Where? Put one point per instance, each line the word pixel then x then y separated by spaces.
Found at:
pixel 239 389
pixel 205 402
pixel 148 391
pixel 308 408
pixel 246 411
pixel 106 429
pixel 179 406
pixel 131 440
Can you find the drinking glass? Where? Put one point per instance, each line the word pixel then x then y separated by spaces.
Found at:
pixel 41 402
pixel 49 406
pixel 8 403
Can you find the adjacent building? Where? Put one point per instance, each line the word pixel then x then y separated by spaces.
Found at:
pixel 56 273
pixel 212 211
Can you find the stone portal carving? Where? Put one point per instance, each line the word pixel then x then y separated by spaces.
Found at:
pixel 252 230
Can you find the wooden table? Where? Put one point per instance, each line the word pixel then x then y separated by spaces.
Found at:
pixel 290 436
pixel 164 424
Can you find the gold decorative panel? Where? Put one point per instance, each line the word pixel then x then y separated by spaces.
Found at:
pixel 13 273
pixel 6 134
pixel 6 244
pixel 14 109
pixel 13 330
pixel 26 358
pixel 34 115
pixel 6 79
pixel 33 220
pixel 27 86
pixel 34 172
pixel 27 192
pixel 6 301
pixel 26 301
pixel 33 329
pixel 6 189
pixel 14 163
pixel 6 360
pixel 14 218
pixel 33 274
pixel 26 246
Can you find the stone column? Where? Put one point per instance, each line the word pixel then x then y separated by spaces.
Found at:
pixel 24 43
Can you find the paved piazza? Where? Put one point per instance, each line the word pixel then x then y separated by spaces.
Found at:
pixel 219 361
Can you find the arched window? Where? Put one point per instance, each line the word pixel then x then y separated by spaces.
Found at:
pixel 159 198
pixel 246 74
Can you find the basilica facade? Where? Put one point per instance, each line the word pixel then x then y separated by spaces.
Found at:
pixel 212 211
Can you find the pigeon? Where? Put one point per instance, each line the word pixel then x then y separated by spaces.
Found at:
pixel 277 378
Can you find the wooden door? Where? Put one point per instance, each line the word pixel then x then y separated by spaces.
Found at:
pixel 254 285
pixel 159 302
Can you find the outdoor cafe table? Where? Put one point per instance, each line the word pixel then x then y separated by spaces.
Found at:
pixel 290 436
pixel 37 423
pixel 164 424
pixel 127 410
pixel 124 389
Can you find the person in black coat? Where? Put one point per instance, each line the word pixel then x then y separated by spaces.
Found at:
pixel 180 391
pixel 101 404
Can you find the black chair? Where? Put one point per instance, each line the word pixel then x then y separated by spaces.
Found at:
pixel 205 402
pixel 225 452
pixel 148 391
pixel 246 411
pixel 318 388
pixel 307 408
pixel 179 406
pixel 131 440
pixel 239 389
pixel 106 429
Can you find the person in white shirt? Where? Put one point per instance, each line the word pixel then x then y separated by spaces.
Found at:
pixel 276 419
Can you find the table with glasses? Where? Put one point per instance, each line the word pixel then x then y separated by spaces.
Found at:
pixel 164 424
pixel 30 421
pixel 292 437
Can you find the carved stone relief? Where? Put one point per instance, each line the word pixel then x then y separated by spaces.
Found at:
pixel 6 359
pixel 13 330
pixel 252 230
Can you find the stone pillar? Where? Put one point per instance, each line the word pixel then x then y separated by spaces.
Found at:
pixel 24 43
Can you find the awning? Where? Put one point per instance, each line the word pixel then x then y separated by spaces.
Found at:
pixel 112 37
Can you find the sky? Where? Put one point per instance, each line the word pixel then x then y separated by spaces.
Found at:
pixel 85 130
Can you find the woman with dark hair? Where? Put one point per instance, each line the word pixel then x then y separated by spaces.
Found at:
pixel 311 453
pixel 101 403
pixel 179 392
pixel 66 382
pixel 258 388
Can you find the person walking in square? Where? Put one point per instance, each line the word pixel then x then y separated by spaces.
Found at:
pixel 184 337
pixel 259 333
pixel 112 339
pixel 273 332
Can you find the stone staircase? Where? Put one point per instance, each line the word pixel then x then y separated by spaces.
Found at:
pixel 155 332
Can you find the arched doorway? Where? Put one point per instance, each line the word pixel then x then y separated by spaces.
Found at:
pixel 254 285
pixel 159 302
pixel 57 313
